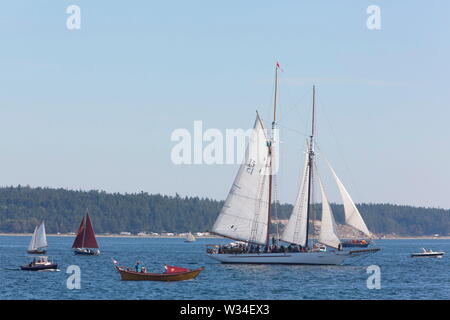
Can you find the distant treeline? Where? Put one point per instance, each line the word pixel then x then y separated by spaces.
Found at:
pixel 22 208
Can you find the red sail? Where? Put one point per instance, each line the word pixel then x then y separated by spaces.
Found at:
pixel 80 235
pixel 86 235
pixel 173 269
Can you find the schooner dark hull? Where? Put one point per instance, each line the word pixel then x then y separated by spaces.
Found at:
pixel 332 257
pixel 307 258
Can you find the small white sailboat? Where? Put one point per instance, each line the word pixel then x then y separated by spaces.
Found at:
pixel 189 237
pixel 428 253
pixel 38 243
pixel 246 214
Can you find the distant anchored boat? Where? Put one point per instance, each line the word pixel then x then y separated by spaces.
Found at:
pixel 358 243
pixel 428 253
pixel 189 238
pixel 85 242
pixel 38 241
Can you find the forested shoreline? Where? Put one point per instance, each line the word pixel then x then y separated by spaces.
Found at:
pixel 22 208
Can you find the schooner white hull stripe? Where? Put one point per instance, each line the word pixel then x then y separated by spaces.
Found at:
pixel 323 258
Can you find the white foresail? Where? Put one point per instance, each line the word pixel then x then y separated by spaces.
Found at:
pixel 327 235
pixel 352 216
pixel 32 246
pixel 245 212
pixel 296 228
pixel 41 238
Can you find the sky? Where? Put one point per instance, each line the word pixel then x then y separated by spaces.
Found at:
pixel 95 107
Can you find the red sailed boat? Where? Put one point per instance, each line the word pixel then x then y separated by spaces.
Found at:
pixel 85 242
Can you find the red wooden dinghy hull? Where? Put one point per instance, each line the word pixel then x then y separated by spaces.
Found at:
pixel 127 275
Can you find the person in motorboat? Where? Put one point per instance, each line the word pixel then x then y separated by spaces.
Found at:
pixel 138 267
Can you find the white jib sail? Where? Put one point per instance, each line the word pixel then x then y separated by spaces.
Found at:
pixel 245 212
pixel 327 235
pixel 31 246
pixel 41 238
pixel 296 228
pixel 352 216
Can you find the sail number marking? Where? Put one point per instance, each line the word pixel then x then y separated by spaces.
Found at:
pixel 251 166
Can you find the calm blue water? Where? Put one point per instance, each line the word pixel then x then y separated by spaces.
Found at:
pixel 401 276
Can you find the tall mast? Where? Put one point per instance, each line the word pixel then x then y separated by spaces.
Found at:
pixel 270 144
pixel 275 98
pixel 84 228
pixel 310 163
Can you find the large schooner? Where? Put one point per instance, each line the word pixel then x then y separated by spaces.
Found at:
pixel 246 214
pixel 85 242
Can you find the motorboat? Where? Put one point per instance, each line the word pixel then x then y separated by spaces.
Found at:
pixel 40 264
pixel 428 253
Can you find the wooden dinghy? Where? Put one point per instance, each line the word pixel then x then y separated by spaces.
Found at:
pixel 172 274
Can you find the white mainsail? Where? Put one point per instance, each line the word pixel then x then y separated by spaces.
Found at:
pixel 39 238
pixel 33 240
pixel 352 216
pixel 296 229
pixel 244 215
pixel 327 235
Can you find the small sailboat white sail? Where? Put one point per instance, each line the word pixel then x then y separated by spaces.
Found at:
pixel 328 235
pixel 189 238
pixel 38 243
pixel 352 216
pixel 246 214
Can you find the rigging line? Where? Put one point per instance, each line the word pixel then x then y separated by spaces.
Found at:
pixel 313 203
pixel 340 152
pixel 294 130
pixel 296 104
pixel 274 201
pixel 319 179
